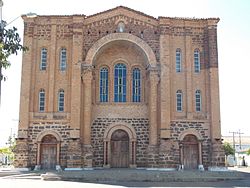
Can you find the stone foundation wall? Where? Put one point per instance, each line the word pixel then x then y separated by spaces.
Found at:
pixel 141 126
pixel 177 128
pixel 62 130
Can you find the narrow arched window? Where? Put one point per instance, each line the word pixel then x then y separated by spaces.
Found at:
pixel 179 101
pixel 104 88
pixel 136 85
pixel 178 60
pixel 61 100
pixel 43 63
pixel 41 101
pixel 198 100
pixel 120 83
pixel 197 65
pixel 63 59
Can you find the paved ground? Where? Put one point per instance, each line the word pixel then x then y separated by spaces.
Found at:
pixel 238 177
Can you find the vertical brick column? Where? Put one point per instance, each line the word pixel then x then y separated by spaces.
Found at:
pixel 214 83
pixel 165 91
pixel 25 95
pixel 153 149
pixel 217 150
pixel 22 149
pixel 76 87
pixel 87 110
pixel 190 69
pixel 52 68
pixel 74 152
pixel 154 79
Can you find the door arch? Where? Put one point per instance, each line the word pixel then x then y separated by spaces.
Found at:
pixel 120 149
pixel 190 152
pixel 48 152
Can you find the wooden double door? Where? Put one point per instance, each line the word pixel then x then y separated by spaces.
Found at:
pixel 120 149
pixel 48 152
pixel 190 152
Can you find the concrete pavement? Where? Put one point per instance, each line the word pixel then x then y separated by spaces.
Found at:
pixel 129 175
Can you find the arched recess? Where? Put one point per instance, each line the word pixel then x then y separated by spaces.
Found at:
pixel 132 142
pixel 191 150
pixel 190 131
pixel 48 140
pixel 121 37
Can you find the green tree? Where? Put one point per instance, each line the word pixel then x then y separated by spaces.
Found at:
pixel 9 149
pixel 10 43
pixel 229 150
pixel 248 152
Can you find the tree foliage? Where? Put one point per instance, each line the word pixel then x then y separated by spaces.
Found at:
pixel 248 152
pixel 229 150
pixel 10 43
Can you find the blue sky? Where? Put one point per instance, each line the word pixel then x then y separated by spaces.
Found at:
pixel 233 47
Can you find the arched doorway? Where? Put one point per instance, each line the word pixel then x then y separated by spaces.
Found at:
pixel 49 152
pixel 190 152
pixel 119 138
pixel 120 149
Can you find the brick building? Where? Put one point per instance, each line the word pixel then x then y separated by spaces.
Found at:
pixel 119 89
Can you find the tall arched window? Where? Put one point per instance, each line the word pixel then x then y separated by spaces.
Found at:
pixel 197 65
pixel 179 101
pixel 136 85
pixel 43 63
pixel 61 100
pixel 198 100
pixel 41 101
pixel 120 83
pixel 63 59
pixel 178 60
pixel 104 85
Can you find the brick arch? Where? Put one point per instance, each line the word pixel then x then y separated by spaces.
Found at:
pixel 192 132
pixel 47 132
pixel 123 126
pixel 121 37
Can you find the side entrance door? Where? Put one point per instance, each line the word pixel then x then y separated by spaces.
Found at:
pixel 119 149
pixel 190 152
pixel 48 152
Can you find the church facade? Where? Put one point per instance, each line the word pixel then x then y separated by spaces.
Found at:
pixel 119 89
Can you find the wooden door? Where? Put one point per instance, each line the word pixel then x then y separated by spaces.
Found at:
pixel 190 152
pixel 48 157
pixel 48 152
pixel 119 149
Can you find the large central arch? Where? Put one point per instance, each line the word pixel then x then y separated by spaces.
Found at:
pixel 121 37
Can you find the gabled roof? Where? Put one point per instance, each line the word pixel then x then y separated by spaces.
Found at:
pixel 119 8
pixel 122 11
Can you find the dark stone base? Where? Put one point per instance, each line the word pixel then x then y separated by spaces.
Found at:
pixel 21 154
pixel 152 156
pixel 74 158
pixel 87 155
pixel 218 154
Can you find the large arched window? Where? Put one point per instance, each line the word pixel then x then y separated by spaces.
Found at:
pixel 63 59
pixel 197 65
pixel 120 83
pixel 61 100
pixel 198 100
pixel 178 60
pixel 41 101
pixel 179 101
pixel 43 62
pixel 104 90
pixel 136 85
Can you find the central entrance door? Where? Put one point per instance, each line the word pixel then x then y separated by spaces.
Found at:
pixel 48 152
pixel 190 152
pixel 119 149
